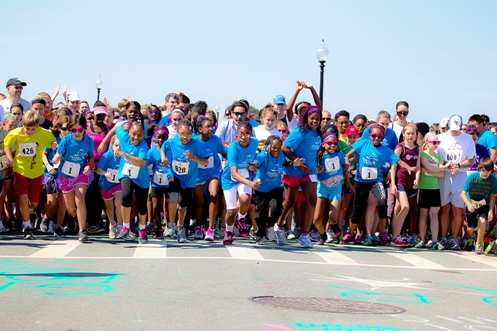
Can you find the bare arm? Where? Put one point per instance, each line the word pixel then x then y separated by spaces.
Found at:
pixel 291 102
pixel 239 178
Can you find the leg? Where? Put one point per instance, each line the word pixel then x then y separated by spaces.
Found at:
pixel 291 196
pixel 80 193
pixel 444 220
pixel 213 199
pixel 321 215
pixel 423 218
pixel 398 219
pixel 309 189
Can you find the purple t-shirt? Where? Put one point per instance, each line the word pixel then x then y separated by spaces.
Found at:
pixel 409 156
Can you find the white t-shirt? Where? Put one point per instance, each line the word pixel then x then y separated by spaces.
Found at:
pixel 456 149
pixel 6 103
pixel 293 124
pixel 397 129
pixel 262 134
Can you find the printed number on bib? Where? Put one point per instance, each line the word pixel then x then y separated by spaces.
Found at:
pixel 210 165
pixel 3 162
pixel 27 149
pixel 452 157
pixel 332 164
pixel 180 167
pixel 113 177
pixel 71 169
pixel 369 173
pixel 130 170
pixel 478 204
pixel 160 179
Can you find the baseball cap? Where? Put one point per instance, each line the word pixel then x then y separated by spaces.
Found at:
pixel 100 110
pixel 455 123
pixel 15 81
pixel 351 131
pixel 279 99
pixel 73 96
pixel 444 123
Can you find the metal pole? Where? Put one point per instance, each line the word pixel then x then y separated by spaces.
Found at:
pixel 98 94
pixel 321 81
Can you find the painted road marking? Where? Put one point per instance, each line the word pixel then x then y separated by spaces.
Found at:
pixel 244 252
pixel 334 257
pixel 57 249
pixel 486 260
pixel 417 261
pixel 150 251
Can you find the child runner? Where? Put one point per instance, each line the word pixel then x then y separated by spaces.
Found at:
pixel 75 171
pixel 160 178
pixel 332 169
pixel 9 123
pixel 478 194
pixel 405 186
pixel 208 175
pixel 28 142
pixel 108 169
pixel 4 170
pixel 17 109
pixel 429 190
pixel 237 178
pixel 184 154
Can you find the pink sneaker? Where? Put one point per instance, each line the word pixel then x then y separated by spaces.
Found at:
pixel 398 242
pixel 209 235
pixel 359 238
pixel 347 239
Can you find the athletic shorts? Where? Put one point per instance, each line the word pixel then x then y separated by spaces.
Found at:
pixel 429 198
pixel 231 195
pixel 411 193
pixel 49 183
pixel 451 188
pixel 300 197
pixel 472 218
pixel 159 192
pixel 294 181
pixel 29 186
pixel 330 193
pixel 110 193
pixel 67 184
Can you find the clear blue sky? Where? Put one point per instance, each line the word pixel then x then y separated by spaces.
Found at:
pixel 440 56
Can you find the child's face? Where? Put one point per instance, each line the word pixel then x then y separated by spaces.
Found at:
pixel 77 131
pixel 160 138
pixel 410 134
pixel 275 148
pixel 243 136
pixel 206 129
pixel 185 134
pixel 115 145
pixel 330 146
pixel 30 130
pixel 39 108
pixel 17 112
pixel 175 119
pixel 313 121
pixel 269 121
pixel 342 123
pixel 9 124
pixel 376 136
pixel 351 139
pixel 484 174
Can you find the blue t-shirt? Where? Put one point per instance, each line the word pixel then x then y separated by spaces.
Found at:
pixel 138 175
pixel 109 163
pixel 241 157
pixel 160 173
pixel 182 168
pixel 372 160
pixel 478 189
pixel 303 145
pixel 165 120
pixel 390 140
pixel 332 173
pixel 50 154
pixel 481 152
pixel 488 140
pixel 74 155
pixel 214 146
pixel 269 171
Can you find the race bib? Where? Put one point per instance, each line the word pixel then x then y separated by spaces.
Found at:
pixel 452 157
pixel 478 204
pixel 56 165
pixel 369 173
pixel 131 170
pixel 113 177
pixel 332 164
pixel 180 167
pixel 3 162
pixel 160 179
pixel 243 172
pixel 210 165
pixel 71 169
pixel 313 178
pixel 28 149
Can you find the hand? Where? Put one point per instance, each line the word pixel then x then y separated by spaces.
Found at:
pixel 350 187
pixel 54 146
pixel 299 85
pixel 165 162
pixel 393 189
pixel 411 170
pixel 10 164
pixel 255 184
pixel 129 98
pixel 307 85
pixel 189 155
pixel 305 169
pixel 298 162
pixel 57 89
pixel 56 159
pixel 87 170
pixel 252 166
pixel 415 186
pixel 471 209
pixel 64 92
pixel 51 169
pixel 352 158
pixel 108 175
pixel 106 101
pixel 320 168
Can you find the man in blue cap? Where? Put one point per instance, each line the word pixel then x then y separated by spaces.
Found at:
pixel 14 88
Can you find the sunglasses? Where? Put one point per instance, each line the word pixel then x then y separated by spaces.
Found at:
pixel 79 130
pixel 326 118
pixel 402 113
pixel 237 114
pixel 434 142
pixel 63 128
pixel 471 129
pixel 18 87
pixel 377 136
pixel 282 131
pixel 332 143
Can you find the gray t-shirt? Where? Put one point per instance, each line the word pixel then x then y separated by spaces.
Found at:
pixel 6 103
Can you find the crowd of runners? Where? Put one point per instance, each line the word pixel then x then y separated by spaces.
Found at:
pixel 289 171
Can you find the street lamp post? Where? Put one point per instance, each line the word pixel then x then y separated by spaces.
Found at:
pixel 99 84
pixel 322 54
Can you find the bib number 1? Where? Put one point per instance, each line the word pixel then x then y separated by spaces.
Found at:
pixel 369 173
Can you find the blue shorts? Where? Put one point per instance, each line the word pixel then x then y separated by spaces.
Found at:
pixel 330 193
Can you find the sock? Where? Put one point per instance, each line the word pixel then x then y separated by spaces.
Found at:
pixel 126 225
pixel 240 216
pixel 26 224
pixel 335 228
pixel 304 233
pixel 229 228
pixel 141 226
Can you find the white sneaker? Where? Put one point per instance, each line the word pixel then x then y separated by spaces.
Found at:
pixel 280 237
pixel 51 227
pixel 290 235
pixel 330 236
pixel 305 241
pixel 182 235
pixel 3 229
pixel 171 231
pixel 270 234
pixel 112 233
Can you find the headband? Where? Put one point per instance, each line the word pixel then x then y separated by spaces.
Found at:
pixel 328 137
pixel 161 131
pixel 313 110
pixel 178 111
pixel 100 108
pixel 38 101
pixel 7 116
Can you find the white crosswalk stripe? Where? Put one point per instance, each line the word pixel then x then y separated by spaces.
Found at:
pixel 151 251
pixel 57 249
pixel 416 260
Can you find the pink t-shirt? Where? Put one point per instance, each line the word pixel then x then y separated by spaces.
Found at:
pixel 97 139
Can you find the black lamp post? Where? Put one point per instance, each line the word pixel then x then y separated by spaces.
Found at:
pixel 99 84
pixel 322 54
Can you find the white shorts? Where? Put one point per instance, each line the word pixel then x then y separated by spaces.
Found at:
pixel 231 195
pixel 451 188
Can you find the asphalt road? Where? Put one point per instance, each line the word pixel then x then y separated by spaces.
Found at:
pixel 59 284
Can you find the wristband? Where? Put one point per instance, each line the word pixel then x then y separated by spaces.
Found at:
pixel 91 165
pixel 459 165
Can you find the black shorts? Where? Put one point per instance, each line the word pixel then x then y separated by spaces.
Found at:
pixel 160 192
pixel 429 198
pixel 472 218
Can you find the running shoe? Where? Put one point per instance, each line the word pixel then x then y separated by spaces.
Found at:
pixel 260 241
pixel 159 234
pixel 242 227
pixel 72 225
pixel 305 241
pixel 398 242
pixel 142 236
pixel 437 246
pixel 209 235
pixel 270 235
pixel 454 244
pixel 150 227
pixel 347 239
pixel 314 235
pixel 290 235
pixel 375 240
pixel 83 237
pixel 59 232
pixel 123 234
pixel 94 229
pixel 368 241
pixel 296 232
pixel 171 231
pixel 384 239
pixel 228 238
pixel 182 235
pixel 470 243
pixel 112 233
pixel 359 239
pixel 280 237
pixel 44 225
pixel 478 249
pixel 330 236
pixel 3 229
pixel 133 233
pixel 27 233
pixel 414 239
pixel 321 240
pixel 420 244
pixel 199 235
